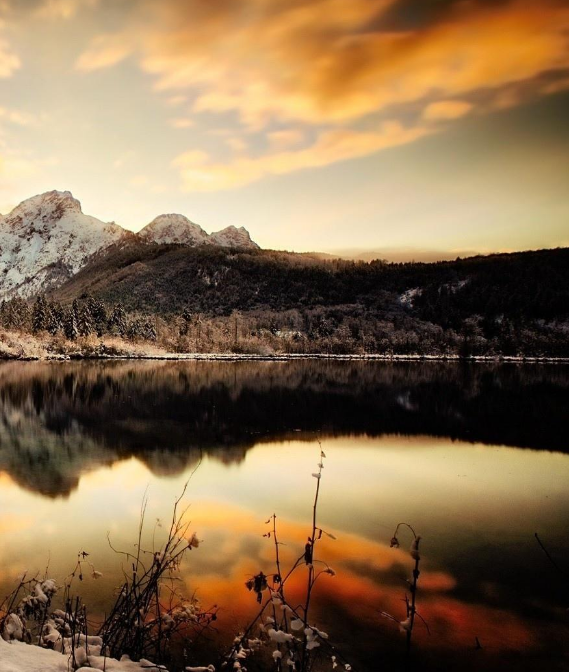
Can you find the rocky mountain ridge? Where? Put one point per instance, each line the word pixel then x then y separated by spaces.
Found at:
pixel 177 229
pixel 47 239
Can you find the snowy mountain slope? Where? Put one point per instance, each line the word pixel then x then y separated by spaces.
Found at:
pixel 173 228
pixel 233 237
pixel 47 239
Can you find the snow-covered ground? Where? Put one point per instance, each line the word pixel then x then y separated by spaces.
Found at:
pixel 19 657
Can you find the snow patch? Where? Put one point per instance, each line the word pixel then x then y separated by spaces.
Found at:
pixel 20 657
pixel 408 297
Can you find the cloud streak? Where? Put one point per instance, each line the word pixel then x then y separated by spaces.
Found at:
pixel 62 9
pixel 445 110
pixel 199 173
pixel 105 51
pixel 9 61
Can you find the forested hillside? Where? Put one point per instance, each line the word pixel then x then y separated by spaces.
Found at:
pixel 169 278
pixel 217 299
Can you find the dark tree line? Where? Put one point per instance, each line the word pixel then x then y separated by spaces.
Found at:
pixel 86 317
pixel 342 329
pixel 167 279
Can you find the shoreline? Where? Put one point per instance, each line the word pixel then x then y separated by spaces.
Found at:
pixel 236 357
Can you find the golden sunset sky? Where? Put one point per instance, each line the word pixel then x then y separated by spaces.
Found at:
pixel 419 128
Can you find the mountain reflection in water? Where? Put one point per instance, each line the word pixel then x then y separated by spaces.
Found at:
pixel 474 456
pixel 58 421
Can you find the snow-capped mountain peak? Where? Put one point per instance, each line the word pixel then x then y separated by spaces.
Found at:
pixel 173 228
pixel 232 236
pixel 48 207
pixel 46 239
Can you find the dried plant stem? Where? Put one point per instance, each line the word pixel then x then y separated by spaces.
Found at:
pixel 412 609
pixel 311 578
pixel 551 560
pixel 411 604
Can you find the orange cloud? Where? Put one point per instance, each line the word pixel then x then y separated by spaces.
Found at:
pixel 9 61
pixel 105 51
pixel 198 173
pixel 329 64
pixel 285 138
pixel 556 87
pixel 443 110
pixel 220 577
pixel 330 60
pixel 62 9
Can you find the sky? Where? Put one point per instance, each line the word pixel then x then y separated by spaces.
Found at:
pixel 421 129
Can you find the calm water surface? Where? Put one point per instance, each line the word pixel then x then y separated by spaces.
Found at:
pixel 474 457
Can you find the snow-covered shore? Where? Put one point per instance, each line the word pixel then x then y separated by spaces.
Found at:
pixel 19 657
pixel 287 357
pixel 18 345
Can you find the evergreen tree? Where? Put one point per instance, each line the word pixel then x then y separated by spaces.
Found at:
pixel 98 314
pixel 70 325
pixel 149 330
pixel 134 329
pixel 117 321
pixel 186 321
pixel 20 314
pixel 53 323
pixel 84 321
pixel 58 313
pixel 39 315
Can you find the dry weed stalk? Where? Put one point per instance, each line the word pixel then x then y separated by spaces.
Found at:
pixel 297 642
pixel 148 613
pixel 142 623
pixel 406 626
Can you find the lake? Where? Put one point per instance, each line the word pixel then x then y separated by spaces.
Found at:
pixel 474 456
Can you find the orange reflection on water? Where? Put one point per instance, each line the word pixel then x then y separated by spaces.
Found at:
pixel 440 486
pixel 355 593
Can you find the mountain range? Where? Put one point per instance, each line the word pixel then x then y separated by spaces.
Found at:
pixel 47 239
pixel 509 303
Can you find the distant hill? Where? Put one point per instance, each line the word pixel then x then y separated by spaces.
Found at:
pixel 216 281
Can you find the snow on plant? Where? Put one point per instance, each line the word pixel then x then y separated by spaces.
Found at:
pixel 292 640
pixel 26 616
pixel 26 607
pixel 150 610
pixel 148 613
